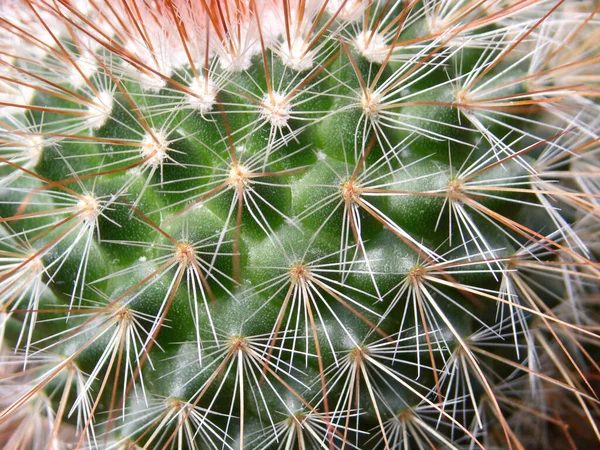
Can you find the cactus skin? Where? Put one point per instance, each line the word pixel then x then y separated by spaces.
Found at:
pixel 299 224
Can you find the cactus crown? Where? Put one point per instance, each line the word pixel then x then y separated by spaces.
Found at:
pixel 299 224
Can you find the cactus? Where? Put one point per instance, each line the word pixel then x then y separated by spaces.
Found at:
pixel 299 224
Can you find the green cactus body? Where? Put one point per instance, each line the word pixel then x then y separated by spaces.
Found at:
pixel 292 224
